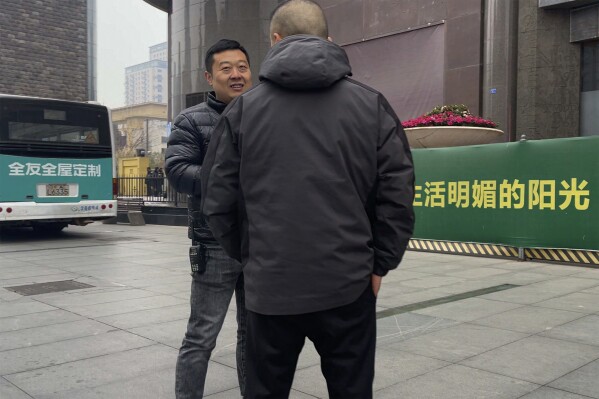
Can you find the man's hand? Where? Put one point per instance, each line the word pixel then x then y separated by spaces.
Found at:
pixel 376 284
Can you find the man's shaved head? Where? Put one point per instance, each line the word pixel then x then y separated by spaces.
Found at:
pixel 299 17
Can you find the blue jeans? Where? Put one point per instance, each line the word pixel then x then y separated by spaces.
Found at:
pixel 211 292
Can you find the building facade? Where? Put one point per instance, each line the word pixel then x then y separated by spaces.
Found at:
pixel 48 49
pixel 148 82
pixel 530 65
pixel 140 127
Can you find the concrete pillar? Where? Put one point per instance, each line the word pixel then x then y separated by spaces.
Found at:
pixel 500 64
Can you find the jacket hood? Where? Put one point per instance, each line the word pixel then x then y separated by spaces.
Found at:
pixel 304 62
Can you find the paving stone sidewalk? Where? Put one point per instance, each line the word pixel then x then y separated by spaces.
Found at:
pixel 449 326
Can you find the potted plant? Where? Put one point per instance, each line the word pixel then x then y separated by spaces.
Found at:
pixel 450 126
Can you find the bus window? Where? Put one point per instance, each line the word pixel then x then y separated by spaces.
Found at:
pixel 19 131
pixel 91 136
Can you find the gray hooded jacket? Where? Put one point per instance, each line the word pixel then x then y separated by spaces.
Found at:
pixel 308 181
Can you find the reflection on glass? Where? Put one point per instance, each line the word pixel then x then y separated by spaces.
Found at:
pixel 19 131
pixel 589 96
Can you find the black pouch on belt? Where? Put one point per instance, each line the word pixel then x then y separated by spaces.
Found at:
pixel 197 258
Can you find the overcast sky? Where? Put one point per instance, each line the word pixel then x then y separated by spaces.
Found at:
pixel 126 29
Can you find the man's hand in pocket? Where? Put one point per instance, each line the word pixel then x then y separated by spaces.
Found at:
pixel 376 284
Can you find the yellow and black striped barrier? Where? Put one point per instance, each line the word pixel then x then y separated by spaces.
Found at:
pixel 463 248
pixel 589 258
pixel 582 257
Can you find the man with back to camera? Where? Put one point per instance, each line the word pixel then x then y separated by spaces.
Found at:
pixel 309 182
pixel 215 275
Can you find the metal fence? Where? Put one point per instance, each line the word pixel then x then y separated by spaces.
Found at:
pixel 151 190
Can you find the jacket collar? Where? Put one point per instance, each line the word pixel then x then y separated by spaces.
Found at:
pixel 215 104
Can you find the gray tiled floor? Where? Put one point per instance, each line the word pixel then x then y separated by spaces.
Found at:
pixel 119 339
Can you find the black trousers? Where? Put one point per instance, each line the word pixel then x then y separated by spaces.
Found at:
pixel 345 338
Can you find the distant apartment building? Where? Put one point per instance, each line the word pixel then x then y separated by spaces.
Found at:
pixel 148 82
pixel 159 52
pixel 48 48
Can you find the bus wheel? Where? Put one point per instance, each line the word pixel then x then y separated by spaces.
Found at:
pixel 48 227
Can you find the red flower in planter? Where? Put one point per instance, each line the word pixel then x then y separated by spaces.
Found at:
pixel 449 115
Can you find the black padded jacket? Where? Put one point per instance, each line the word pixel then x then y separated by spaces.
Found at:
pixel 187 145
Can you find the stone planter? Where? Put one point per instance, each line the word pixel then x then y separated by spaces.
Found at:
pixel 451 136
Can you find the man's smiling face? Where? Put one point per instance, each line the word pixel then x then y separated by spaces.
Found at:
pixel 230 75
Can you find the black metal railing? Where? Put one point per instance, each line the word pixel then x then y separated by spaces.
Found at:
pixel 151 190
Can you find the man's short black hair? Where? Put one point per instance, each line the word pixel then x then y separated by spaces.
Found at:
pixel 219 47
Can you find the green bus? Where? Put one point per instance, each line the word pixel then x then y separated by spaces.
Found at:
pixel 56 163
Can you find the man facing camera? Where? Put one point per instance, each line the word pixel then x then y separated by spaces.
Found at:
pixel 214 275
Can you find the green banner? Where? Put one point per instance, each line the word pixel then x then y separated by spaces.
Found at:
pixel 531 194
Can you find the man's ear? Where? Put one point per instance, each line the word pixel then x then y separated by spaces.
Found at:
pixel 330 39
pixel 275 38
pixel 208 77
